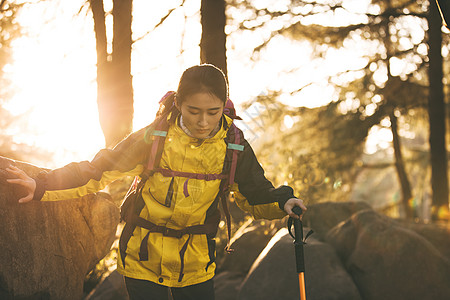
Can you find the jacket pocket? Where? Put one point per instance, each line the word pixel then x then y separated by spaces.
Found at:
pixel 161 189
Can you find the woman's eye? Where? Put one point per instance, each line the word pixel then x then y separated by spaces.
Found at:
pixel 213 113
pixel 193 113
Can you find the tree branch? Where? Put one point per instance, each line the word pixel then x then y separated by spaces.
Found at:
pixel 2 4
pixel 160 22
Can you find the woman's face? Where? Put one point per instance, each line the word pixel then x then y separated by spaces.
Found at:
pixel 201 113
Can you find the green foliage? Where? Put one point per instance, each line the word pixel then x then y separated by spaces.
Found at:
pixel 317 155
pixel 321 154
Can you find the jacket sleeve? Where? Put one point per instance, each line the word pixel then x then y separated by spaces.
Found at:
pixel 256 189
pixel 78 179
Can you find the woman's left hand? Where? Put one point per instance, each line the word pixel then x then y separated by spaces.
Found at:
pixel 21 178
pixel 291 203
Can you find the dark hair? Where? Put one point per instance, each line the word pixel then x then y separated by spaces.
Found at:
pixel 204 78
pixel 200 79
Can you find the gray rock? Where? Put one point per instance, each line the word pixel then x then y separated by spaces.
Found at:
pixel 48 247
pixel 388 261
pixel 273 275
pixel 436 234
pixel 321 217
pixel 227 284
pixel 111 288
pixel 248 242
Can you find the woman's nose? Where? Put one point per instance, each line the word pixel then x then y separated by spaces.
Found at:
pixel 202 120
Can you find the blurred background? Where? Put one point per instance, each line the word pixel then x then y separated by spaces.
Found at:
pixel 341 99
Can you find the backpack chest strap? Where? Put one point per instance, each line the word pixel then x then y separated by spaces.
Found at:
pixel 188 175
pixel 172 173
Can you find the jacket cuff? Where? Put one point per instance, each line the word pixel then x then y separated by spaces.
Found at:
pixel 40 186
pixel 284 193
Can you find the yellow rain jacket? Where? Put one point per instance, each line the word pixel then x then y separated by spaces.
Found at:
pixel 162 263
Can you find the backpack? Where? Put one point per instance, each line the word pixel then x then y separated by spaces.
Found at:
pixel 131 206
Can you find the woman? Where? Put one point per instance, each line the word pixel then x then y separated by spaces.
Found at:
pixel 194 143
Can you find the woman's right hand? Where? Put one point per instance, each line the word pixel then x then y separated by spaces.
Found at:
pixel 24 180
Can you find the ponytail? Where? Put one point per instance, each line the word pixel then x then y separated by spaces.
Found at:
pixel 167 106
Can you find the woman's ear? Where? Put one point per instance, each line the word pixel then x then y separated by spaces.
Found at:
pixel 177 105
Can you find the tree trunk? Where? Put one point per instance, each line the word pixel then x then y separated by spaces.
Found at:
pixel 436 112
pixel 400 166
pixel 213 40
pixel 114 81
pixel 122 122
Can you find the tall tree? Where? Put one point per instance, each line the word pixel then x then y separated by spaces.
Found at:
pixel 436 112
pixel 402 176
pixel 365 97
pixel 114 80
pixel 400 167
pixel 213 40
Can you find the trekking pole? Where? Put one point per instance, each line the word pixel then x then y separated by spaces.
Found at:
pixel 444 9
pixel 298 244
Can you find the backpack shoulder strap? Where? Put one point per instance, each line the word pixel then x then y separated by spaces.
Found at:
pixel 234 141
pixel 157 133
pixel 234 145
pixel 158 136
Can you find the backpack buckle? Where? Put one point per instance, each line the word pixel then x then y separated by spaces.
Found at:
pixel 172 232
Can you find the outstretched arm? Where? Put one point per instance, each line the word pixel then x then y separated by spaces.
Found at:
pixel 24 180
pixel 78 179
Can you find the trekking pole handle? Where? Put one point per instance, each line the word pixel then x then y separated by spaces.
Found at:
pixel 297 233
pixel 297 210
pixel 298 226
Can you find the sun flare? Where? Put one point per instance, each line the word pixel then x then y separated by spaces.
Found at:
pixel 54 71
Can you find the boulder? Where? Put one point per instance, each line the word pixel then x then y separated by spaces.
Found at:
pixel 49 247
pixel 436 234
pixel 227 284
pixel 248 242
pixel 321 217
pixel 390 261
pixel 111 287
pixel 273 275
